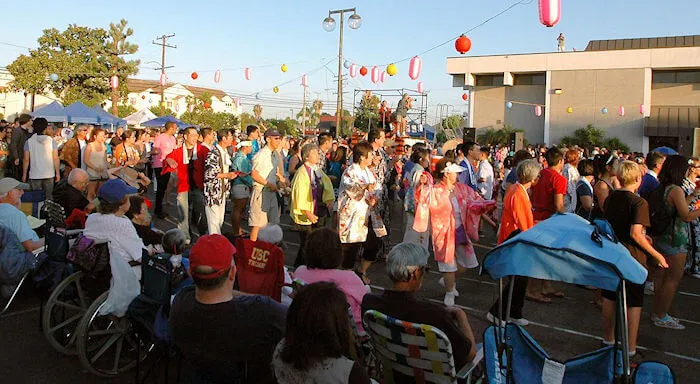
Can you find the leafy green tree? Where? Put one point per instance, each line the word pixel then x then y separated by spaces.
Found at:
pixel 246 119
pixel 286 127
pixel 615 143
pixel 125 110
pixel 161 111
pixel 492 136
pixel 117 46
pixel 367 113
pixel 80 58
pixel 211 119
pixel 587 137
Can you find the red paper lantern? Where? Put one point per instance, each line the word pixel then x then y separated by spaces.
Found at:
pixel 114 82
pixel 143 97
pixel 217 76
pixel 207 105
pixel 363 71
pixel 414 67
pixel 465 97
pixel 463 44
pixel 194 75
pixel 550 12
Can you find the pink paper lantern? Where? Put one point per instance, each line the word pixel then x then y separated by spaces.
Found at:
pixel 550 12
pixel 621 110
pixel 419 87
pixel 641 109
pixel 217 76
pixel 353 70
pixel 304 81
pixel 538 110
pixel 114 82
pixel 191 108
pixel 163 79
pixel 237 102
pixel 382 77
pixel 375 74
pixel 414 67
pixel 248 72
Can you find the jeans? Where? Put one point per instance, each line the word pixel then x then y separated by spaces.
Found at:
pixel 162 186
pixel 45 185
pixel 193 199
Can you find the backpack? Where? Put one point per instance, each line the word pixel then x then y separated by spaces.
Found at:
pixel 89 256
pixel 659 216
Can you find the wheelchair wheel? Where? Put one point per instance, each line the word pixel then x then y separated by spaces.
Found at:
pixel 63 311
pixel 106 344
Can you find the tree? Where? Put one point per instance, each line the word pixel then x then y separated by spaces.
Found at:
pixel 211 119
pixel 80 59
pixel 125 110
pixel 587 137
pixel 117 47
pixel 615 143
pixel 161 111
pixel 501 136
pixel 246 119
pixel 367 113
pixel 286 127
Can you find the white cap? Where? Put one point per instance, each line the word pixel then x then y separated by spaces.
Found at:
pixel 453 168
pixel 245 143
pixel 7 184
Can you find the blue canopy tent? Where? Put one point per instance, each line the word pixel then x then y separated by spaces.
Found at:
pixel 160 121
pixel 427 133
pixel 79 113
pixel 108 118
pixel 53 113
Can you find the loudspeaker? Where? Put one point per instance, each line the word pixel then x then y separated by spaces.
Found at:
pixel 516 141
pixel 468 134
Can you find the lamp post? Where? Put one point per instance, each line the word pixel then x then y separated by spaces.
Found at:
pixel 354 21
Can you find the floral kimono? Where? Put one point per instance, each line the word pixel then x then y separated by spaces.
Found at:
pixel 353 205
pixel 438 207
pixel 216 191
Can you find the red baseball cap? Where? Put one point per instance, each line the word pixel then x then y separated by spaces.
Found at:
pixel 213 251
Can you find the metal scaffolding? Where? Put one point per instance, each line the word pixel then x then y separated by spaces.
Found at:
pixel 416 116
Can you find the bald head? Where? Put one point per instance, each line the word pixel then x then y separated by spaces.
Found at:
pixel 78 178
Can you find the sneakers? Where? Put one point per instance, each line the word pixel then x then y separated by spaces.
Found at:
pixel 649 288
pixel 441 281
pixel 449 299
pixel 521 321
pixel 667 322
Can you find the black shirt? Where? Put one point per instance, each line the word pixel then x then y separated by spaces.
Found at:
pixel 405 306
pixel 219 338
pixel 624 209
pixel 69 198
pixel 149 236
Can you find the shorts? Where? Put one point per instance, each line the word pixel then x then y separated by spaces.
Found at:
pixel 635 294
pixel 240 191
pixel 264 208
pixel 463 256
pixel 668 250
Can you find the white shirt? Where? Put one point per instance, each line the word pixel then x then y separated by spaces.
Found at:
pixel 119 231
pixel 83 144
pixel 485 172
pixel 266 163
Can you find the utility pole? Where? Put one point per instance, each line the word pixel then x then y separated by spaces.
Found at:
pixel 303 112
pixel 163 44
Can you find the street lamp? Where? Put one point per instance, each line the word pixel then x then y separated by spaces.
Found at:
pixel 354 21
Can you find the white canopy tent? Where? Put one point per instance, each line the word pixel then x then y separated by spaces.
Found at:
pixel 139 117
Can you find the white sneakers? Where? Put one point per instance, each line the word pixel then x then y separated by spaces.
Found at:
pixel 449 299
pixel 667 321
pixel 521 321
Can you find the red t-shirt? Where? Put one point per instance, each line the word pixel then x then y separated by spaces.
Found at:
pixel 550 183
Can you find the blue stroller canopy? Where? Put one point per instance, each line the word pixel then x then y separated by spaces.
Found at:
pixel 566 248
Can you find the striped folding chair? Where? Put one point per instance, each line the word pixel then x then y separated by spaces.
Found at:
pixel 418 350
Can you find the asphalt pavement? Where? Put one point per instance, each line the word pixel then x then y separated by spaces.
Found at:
pixel 565 328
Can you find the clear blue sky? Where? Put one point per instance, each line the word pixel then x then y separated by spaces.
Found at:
pixel 229 35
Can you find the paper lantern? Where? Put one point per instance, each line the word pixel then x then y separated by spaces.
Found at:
pixel 463 44
pixel 465 96
pixel 604 110
pixel 353 70
pixel 570 110
pixel 191 108
pixel 143 97
pixel 163 79
pixel 217 76
pixel 275 89
pixel 347 64
pixel 509 104
pixel 284 67
pixel 304 81
pixel 248 72
pixel 53 77
pixel 237 102
pixel 641 109
pixel 363 71
pixel 382 77
pixel 538 110
pixel 194 75
pixel 414 67
pixel 419 87
pixel 114 82
pixel 207 105
pixel 391 69
pixel 375 74
pixel 621 110
pixel 550 12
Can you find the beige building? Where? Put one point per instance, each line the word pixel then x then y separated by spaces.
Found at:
pixel 655 80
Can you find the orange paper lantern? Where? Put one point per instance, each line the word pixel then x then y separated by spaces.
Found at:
pixel 363 71
pixel 463 44
pixel 194 75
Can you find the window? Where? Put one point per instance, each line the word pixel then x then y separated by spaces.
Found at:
pixel 680 77
pixel 489 80
pixel 529 79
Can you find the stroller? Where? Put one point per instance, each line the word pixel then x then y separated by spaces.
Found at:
pixel 564 248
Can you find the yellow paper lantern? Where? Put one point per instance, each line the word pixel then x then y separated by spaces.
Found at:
pixel 391 69
pixel 284 67
pixel 570 110
pixel 275 89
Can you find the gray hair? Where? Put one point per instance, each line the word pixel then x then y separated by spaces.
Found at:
pixel 75 173
pixel 306 150
pixel 528 170
pixel 174 241
pixel 404 259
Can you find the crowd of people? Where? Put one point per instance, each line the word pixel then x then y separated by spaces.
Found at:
pixel 340 197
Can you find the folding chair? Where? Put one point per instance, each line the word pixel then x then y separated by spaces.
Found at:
pixel 21 281
pixel 418 350
pixel 260 267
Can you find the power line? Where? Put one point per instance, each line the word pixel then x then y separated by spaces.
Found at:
pixel 163 44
